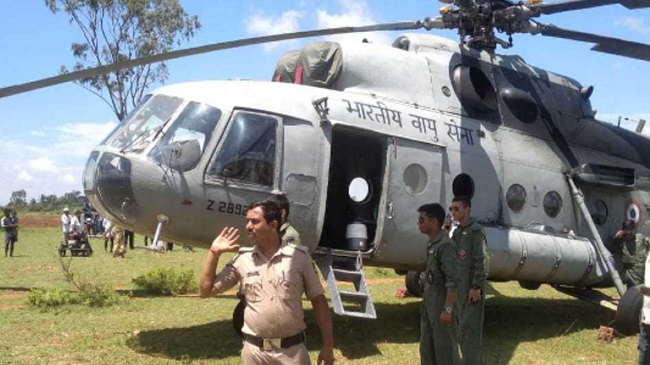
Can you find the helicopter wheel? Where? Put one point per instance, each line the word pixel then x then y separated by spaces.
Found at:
pixel 414 281
pixel 238 317
pixel 627 316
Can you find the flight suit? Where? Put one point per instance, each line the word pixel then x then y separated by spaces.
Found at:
pixel 439 343
pixel 289 235
pixel 632 254
pixel 473 265
pixel 273 288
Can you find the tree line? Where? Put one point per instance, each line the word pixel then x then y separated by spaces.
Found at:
pixel 45 203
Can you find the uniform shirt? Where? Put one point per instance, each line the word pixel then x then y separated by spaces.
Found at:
pixel 289 235
pixel 631 251
pixel 65 222
pixel 273 288
pixel 442 262
pixel 472 253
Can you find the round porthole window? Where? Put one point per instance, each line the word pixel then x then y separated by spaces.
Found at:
pixel 516 197
pixel 552 204
pixel 463 185
pixel 415 179
pixel 359 190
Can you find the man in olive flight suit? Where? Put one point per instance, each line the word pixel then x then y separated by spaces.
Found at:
pixel 473 262
pixel 289 234
pixel 630 250
pixel 438 325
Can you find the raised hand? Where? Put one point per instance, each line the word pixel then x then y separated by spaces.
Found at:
pixel 226 241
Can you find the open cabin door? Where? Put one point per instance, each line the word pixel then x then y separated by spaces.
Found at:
pixel 413 178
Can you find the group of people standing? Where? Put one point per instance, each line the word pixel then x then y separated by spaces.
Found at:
pixel 451 316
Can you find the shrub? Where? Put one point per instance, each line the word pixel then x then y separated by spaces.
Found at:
pixel 101 295
pixel 52 298
pixel 163 281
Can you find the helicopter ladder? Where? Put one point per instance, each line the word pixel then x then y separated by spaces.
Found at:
pixel 346 270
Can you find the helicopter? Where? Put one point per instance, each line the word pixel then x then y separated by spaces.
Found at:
pixel 358 143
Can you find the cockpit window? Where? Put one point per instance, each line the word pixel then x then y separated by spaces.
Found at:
pixel 248 153
pixel 128 117
pixel 146 123
pixel 182 145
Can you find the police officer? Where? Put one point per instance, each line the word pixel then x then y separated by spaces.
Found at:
pixel 438 327
pixel 470 241
pixel 630 249
pixel 274 278
pixel 289 234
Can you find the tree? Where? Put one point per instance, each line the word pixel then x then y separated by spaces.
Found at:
pixel 18 199
pixel 120 30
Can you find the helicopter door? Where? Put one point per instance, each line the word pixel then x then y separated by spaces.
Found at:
pixel 414 178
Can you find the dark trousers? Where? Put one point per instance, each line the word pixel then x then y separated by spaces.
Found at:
pixel 9 245
pixel 106 239
pixel 128 238
pixel 644 345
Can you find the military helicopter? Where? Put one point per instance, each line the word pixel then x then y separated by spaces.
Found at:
pixel 359 135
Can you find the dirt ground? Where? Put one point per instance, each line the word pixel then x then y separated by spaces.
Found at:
pixel 39 220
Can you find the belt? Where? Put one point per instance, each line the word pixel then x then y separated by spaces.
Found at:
pixel 268 344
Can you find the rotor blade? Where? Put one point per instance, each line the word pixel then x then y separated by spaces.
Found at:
pixel 616 46
pixel 557 7
pixel 90 72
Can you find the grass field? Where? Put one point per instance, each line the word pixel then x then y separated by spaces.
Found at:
pixel 522 327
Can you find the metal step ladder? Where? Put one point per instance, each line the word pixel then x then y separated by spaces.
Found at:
pixel 337 269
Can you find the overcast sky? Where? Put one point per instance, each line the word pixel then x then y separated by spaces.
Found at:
pixel 47 134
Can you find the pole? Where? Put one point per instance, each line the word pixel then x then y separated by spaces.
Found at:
pixel 605 255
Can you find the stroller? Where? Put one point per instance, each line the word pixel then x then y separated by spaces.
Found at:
pixel 77 244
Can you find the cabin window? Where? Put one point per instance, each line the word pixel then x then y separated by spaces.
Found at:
pixel 599 212
pixel 182 145
pixel 516 197
pixel 463 185
pixel 415 179
pixel 552 204
pixel 248 152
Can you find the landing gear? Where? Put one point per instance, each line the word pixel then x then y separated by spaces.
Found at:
pixel 629 309
pixel 414 281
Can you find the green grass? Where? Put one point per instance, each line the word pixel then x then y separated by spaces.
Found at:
pixel 522 327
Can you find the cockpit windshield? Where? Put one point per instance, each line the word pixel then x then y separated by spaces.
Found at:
pixel 182 145
pixel 146 123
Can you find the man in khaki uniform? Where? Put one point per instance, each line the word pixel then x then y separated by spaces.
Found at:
pixel 274 278
pixel 289 234
pixel 438 328
pixel 471 244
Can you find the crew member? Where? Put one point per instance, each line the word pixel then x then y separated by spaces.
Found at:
pixel 471 244
pixel 274 278
pixel 438 327
pixel 10 223
pixel 290 235
pixel 630 250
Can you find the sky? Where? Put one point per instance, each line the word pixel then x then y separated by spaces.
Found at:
pixel 46 135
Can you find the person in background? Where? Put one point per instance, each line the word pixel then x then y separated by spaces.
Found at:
pixel 66 223
pixel 630 250
pixel 10 224
pixel 129 237
pixel 290 235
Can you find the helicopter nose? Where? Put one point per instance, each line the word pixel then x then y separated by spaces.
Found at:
pixel 107 183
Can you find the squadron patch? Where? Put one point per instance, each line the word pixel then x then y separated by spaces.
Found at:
pixel 462 254
pixel 429 277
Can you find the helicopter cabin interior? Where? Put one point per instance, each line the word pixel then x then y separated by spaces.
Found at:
pixel 355 183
